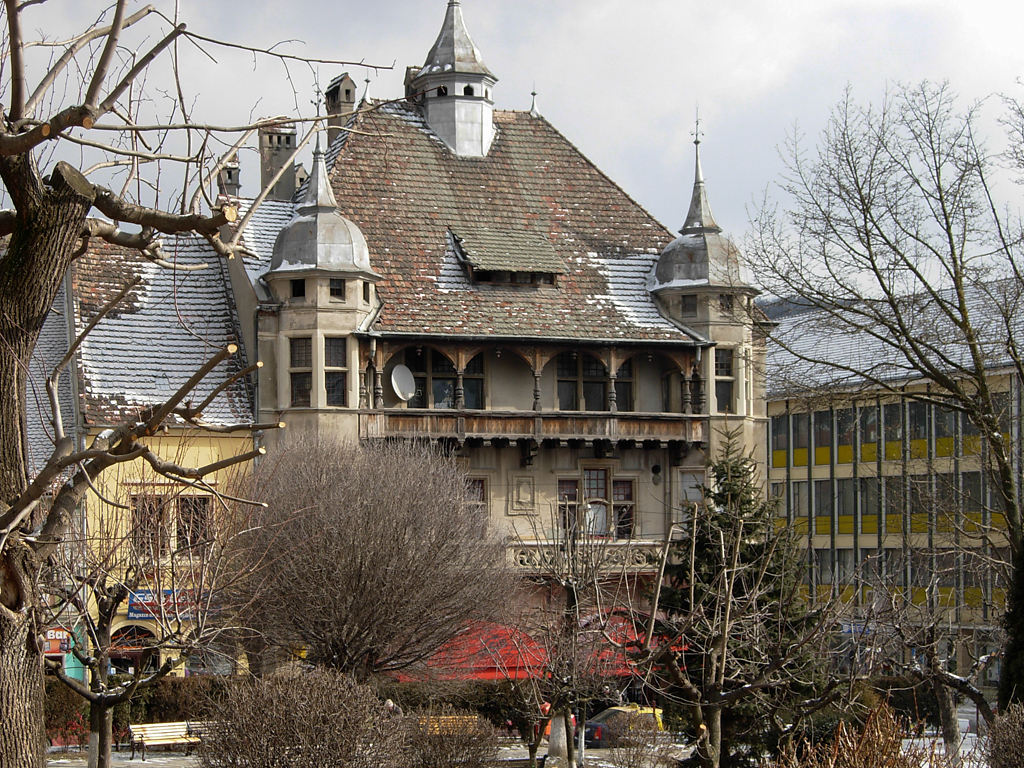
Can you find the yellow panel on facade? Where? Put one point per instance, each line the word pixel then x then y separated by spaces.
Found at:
pixel 972 522
pixel 847 594
pixel 947 597
pixel 824 593
pixel 999 598
pixel 894 523
pixel 944 446
pixel 822 455
pixel 918 596
pixel 845 524
pixel 919 522
pixel 779 458
pixel 799 457
pixel 844 454
pixel 869 524
pixel 823 524
pixel 999 521
pixel 781 522
pixel 800 525
pixel 893 450
pixel 972 445
pixel 919 449
pixel 868 451
pixel 974 597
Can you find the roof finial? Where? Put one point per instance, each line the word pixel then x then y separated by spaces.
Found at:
pixel 533 104
pixel 317 103
pixel 366 91
pixel 699 217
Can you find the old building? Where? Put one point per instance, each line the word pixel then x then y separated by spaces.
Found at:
pixel 462 274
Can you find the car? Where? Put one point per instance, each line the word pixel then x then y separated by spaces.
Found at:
pixel 610 726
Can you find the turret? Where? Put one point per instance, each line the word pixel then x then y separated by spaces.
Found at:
pixel 454 86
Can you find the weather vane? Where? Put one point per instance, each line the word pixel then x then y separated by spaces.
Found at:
pixel 697 132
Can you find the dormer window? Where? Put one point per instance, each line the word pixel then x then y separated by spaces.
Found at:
pixel 522 257
pixel 468 91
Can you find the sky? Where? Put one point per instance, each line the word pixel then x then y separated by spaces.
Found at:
pixel 623 79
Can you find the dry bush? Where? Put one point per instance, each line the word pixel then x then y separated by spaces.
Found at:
pixel 1005 745
pixel 297 720
pixel 635 741
pixel 878 744
pixel 446 737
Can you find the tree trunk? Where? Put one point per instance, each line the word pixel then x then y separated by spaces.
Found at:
pixel 49 227
pixel 22 735
pixel 101 728
pixel 948 720
pixel 709 748
pixel 1011 678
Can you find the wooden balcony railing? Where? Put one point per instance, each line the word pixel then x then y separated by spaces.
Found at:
pixel 514 425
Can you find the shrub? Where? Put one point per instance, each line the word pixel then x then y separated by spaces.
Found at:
pixel 879 743
pixel 296 719
pixel 1005 745
pixel 635 741
pixel 65 713
pixel 444 737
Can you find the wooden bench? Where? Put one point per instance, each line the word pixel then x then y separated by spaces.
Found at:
pixel 147 735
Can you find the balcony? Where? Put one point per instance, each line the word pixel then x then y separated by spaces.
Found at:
pixel 622 556
pixel 533 425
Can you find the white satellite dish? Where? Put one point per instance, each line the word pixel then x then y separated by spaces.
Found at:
pixel 403 382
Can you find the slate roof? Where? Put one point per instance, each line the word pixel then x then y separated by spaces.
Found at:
pixel 163 331
pixel 485 248
pixel 848 343
pixel 51 346
pixel 405 189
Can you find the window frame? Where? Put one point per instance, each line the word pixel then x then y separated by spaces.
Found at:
pixel 331 371
pixel 299 369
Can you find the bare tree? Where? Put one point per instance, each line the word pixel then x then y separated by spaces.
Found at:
pixel 89 94
pixel 379 557
pixel 163 555
pixel 731 627
pixel 908 271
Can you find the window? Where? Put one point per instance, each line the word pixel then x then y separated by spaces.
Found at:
pixel 725 302
pixel 298 289
pixel 582 379
pixel 869 503
pixel 846 424
pixel 624 387
pixel 473 383
pixel 918 420
pixel 608 506
pixel 780 440
pixel 193 521
pixel 301 357
pixel 688 306
pixel 442 90
pixel 845 497
pixel 822 429
pixel 823 563
pixel 467 91
pixel 476 494
pixel 800 430
pixel 151 536
pixel 869 432
pixel 622 501
pixel 892 414
pixel 366 292
pixel 972 496
pixel 800 499
pixel 337 288
pixel 724 380
pixel 336 381
pixel 435 378
pixel 822 498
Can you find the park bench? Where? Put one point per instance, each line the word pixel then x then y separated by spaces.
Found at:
pixel 145 735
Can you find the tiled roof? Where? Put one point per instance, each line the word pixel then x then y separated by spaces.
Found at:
pixel 846 349
pixel 485 248
pixel 405 189
pixel 261 232
pixel 161 333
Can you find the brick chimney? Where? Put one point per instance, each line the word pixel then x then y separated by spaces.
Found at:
pixel 277 143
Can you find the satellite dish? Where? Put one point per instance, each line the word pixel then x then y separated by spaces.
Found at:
pixel 403 383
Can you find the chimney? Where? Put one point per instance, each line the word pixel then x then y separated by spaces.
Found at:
pixel 277 143
pixel 341 103
pixel 228 181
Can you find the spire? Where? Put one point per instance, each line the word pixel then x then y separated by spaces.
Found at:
pixel 454 50
pixel 699 218
pixel 533 104
pixel 318 195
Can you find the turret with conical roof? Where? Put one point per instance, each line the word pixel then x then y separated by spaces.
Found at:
pixel 701 257
pixel 454 86
pixel 318 237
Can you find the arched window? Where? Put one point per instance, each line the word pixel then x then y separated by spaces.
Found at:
pixel 468 91
pixel 582 383
pixel 442 90
pixel 436 380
